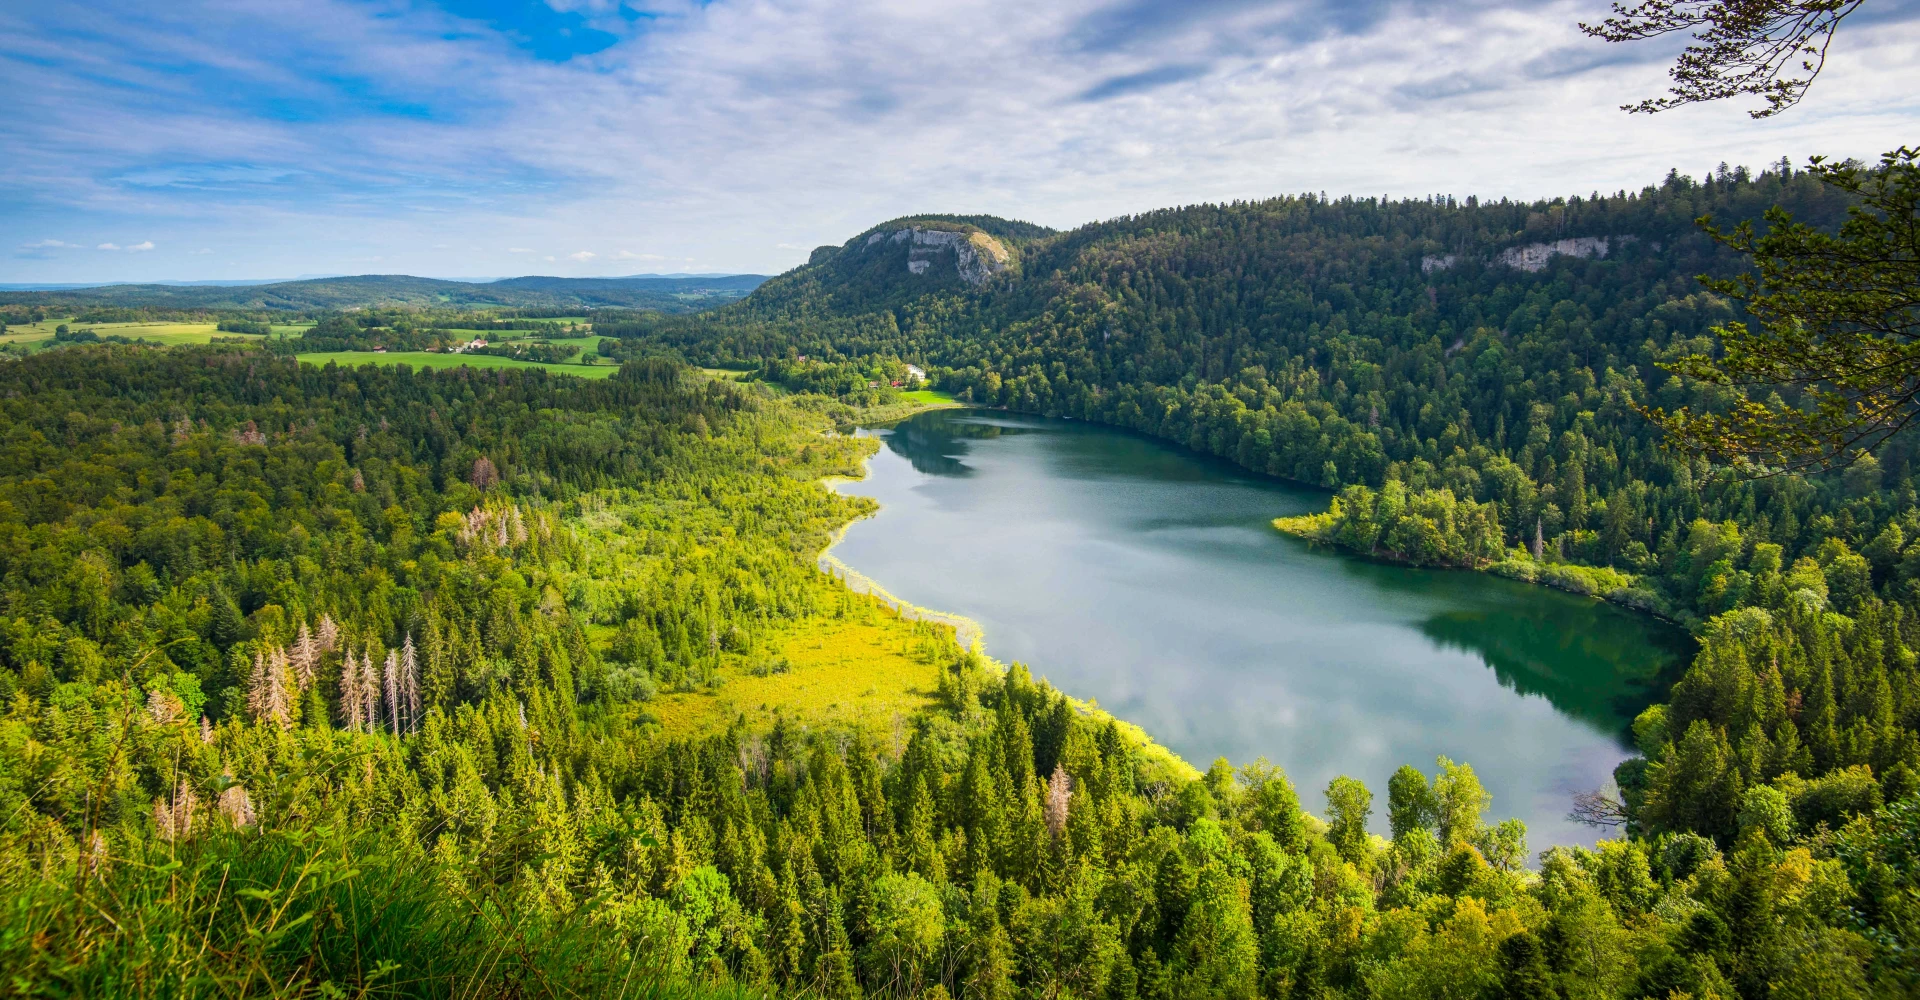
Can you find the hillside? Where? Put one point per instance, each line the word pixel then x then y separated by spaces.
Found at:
pixel 667 294
pixel 1494 349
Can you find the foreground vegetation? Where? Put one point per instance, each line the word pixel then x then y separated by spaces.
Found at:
pixel 366 681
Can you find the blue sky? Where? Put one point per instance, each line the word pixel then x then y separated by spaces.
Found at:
pixel 273 138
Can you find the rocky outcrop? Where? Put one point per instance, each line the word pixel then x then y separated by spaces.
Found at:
pixel 977 257
pixel 1534 256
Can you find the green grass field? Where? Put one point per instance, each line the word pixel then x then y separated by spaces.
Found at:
pixel 929 397
pixel 30 331
pixel 169 334
pixel 870 669
pixel 427 359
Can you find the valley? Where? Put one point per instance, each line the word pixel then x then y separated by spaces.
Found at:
pixel 1144 577
pixel 328 586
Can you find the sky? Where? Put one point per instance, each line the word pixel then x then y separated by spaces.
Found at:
pixel 245 139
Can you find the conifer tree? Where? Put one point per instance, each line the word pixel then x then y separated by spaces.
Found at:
pixel 304 658
pixel 352 708
pixel 410 683
pixel 369 691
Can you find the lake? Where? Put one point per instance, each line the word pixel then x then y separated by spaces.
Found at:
pixel 1148 578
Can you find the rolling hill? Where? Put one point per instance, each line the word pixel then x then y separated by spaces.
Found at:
pixel 664 293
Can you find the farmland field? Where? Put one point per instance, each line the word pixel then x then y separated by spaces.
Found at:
pixel 169 334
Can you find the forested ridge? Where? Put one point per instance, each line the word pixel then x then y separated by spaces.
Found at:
pixel 1355 341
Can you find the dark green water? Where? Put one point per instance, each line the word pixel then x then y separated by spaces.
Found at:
pixel 1148 578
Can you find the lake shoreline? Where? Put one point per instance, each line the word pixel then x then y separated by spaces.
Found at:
pixel 969 634
pixel 1570 578
pixel 1598 583
pixel 1150 574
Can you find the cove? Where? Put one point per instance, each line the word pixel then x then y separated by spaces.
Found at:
pixel 1146 577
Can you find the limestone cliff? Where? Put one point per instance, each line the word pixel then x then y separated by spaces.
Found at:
pixel 976 256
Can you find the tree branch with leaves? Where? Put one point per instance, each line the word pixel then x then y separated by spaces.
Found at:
pixel 1767 48
pixel 1836 325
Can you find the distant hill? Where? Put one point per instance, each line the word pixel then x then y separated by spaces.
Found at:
pixel 667 293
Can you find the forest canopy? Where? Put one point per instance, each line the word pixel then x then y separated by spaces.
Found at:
pixel 281 641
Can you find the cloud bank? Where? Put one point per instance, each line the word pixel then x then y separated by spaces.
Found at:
pixel 298 136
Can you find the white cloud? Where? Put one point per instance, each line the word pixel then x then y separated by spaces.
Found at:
pixel 108 246
pixel 581 255
pixel 143 245
pixel 50 244
pixel 1060 113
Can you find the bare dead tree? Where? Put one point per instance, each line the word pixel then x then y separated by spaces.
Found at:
pixel 1598 809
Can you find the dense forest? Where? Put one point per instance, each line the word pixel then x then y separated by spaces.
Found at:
pixel 335 682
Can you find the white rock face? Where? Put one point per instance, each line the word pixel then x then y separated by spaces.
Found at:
pixel 1430 264
pixel 1534 256
pixel 976 256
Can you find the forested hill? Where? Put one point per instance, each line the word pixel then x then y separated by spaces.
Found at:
pixel 644 291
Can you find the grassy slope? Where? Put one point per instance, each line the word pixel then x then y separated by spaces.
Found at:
pixel 868 669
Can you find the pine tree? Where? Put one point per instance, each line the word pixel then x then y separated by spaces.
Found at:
pixel 352 710
pixel 919 844
pixel 305 658
pixel 329 637
pixel 833 971
pixel 369 691
pixel 786 931
pixel 410 683
pixel 1058 800
pixel 987 972
pixel 1524 974
pixel 226 626
pixel 436 681
pixel 391 676
pixel 267 699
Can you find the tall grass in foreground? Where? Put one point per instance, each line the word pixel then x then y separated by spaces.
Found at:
pixel 312 913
